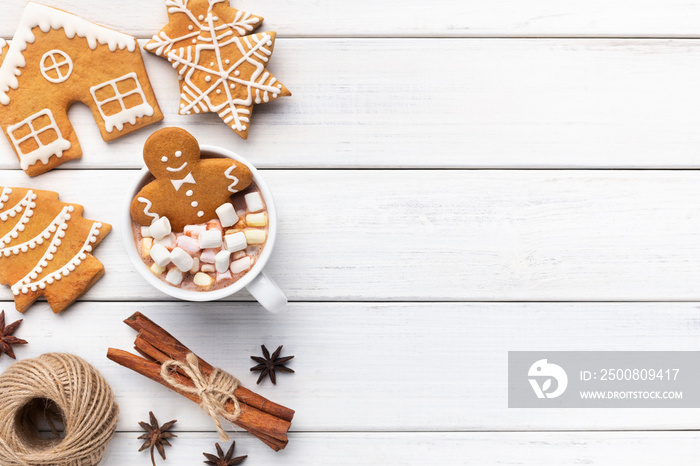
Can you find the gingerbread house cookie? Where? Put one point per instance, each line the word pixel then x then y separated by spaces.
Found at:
pixel 56 59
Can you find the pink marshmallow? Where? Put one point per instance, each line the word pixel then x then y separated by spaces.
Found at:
pixel 209 256
pixel 223 276
pixel 241 265
pixel 195 230
pixel 189 244
pixel 214 225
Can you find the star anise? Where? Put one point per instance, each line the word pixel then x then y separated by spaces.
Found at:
pixel 224 460
pixel 6 337
pixel 156 437
pixel 269 364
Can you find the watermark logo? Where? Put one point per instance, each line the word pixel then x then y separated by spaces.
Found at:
pixel 541 375
pixel 603 379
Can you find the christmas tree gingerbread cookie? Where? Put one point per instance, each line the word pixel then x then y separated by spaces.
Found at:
pixel 45 248
pixel 56 59
pixel 222 66
pixel 186 190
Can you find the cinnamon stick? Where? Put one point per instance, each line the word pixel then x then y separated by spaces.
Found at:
pixel 146 326
pixel 277 427
pixel 151 370
pixel 264 419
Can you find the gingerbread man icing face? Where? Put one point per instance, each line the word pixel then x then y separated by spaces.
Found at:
pixel 187 190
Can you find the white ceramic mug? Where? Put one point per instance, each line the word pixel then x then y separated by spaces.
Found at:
pixel 262 287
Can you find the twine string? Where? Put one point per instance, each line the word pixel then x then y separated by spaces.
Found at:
pixel 214 391
pixel 82 396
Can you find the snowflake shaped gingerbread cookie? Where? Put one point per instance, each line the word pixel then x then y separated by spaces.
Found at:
pixel 187 190
pixel 222 66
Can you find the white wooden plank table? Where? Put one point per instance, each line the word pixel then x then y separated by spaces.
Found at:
pixel 443 178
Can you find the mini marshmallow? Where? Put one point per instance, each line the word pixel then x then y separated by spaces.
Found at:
pixel 214 225
pixel 146 245
pixel 195 230
pixel 160 255
pixel 210 268
pixel 238 254
pixel 210 239
pixel 235 242
pixel 254 202
pixel 145 231
pixel 174 276
pixel 157 269
pixel 189 244
pixel 181 259
pixel 255 236
pixel 241 265
pixel 221 261
pixel 223 276
pixel 203 280
pixel 160 228
pixel 227 214
pixel 195 266
pixel 208 256
pixel 256 220
pixel 167 241
pixel 231 232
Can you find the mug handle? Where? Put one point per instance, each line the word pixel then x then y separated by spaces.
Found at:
pixel 267 293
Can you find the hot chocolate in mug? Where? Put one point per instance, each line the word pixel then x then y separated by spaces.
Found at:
pixel 255 280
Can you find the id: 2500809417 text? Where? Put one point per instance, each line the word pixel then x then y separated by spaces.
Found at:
pixel 630 374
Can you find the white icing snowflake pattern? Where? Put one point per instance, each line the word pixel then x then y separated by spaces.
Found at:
pixel 162 43
pixel 222 70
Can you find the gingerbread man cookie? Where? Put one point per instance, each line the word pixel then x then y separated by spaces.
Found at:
pixel 187 190
pixel 45 248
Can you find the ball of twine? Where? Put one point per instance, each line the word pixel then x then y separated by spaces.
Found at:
pixel 77 392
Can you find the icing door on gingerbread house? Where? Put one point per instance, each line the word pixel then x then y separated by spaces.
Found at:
pixel 55 60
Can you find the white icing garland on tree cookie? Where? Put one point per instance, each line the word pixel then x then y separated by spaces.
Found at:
pixel 57 222
pixel 17 208
pixel 51 267
pixel 5 196
pixel 26 284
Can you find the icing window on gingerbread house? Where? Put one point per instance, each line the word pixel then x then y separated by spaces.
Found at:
pixel 56 66
pixel 37 138
pixel 121 101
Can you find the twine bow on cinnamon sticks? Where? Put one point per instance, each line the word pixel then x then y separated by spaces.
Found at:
pixel 170 363
pixel 214 391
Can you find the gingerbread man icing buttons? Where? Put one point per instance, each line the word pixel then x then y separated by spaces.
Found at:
pixel 187 189
pixel 56 59
pixel 45 248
